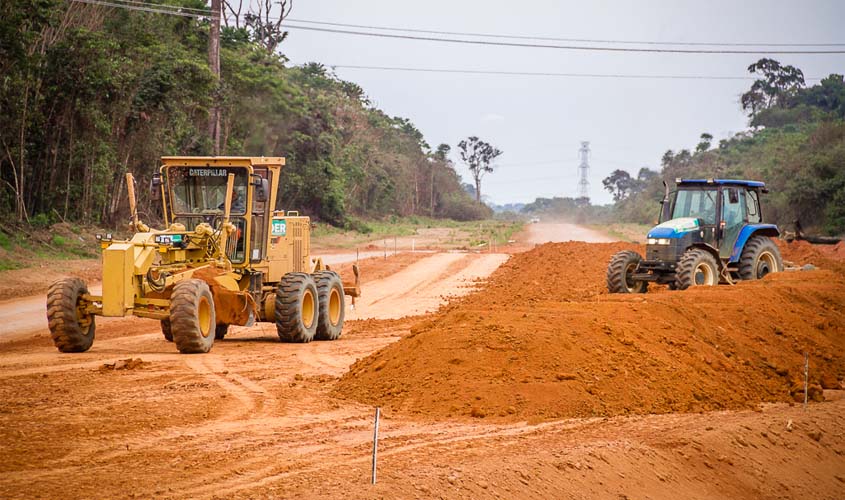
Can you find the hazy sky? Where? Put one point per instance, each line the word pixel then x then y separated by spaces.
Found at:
pixel 539 122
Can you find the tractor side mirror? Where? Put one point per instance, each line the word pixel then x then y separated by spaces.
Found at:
pixel 155 187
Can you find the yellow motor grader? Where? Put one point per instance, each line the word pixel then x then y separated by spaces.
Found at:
pixel 226 258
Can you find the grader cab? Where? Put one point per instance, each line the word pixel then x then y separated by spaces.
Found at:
pixel 226 258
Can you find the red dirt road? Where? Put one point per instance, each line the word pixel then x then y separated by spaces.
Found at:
pixel 259 419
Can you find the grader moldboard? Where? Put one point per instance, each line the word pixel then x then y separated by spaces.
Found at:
pixel 226 258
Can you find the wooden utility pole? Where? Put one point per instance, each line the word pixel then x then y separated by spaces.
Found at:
pixel 214 65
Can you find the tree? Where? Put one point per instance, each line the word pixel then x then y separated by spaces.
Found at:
pixel 442 153
pixel 265 29
pixel 477 155
pixel 619 184
pixel 704 144
pixel 778 84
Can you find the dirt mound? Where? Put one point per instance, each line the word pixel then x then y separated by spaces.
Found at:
pixel 543 339
pixel 824 256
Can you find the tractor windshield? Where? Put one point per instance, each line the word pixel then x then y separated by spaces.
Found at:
pixel 202 190
pixel 695 203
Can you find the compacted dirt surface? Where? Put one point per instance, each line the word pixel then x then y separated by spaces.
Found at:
pixel 530 382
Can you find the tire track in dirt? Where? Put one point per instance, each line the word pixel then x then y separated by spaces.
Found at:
pixel 356 444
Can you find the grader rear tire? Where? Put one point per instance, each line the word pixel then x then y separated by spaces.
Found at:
pixel 71 329
pixel 619 271
pixel 332 306
pixel 166 330
pixel 192 316
pixel 296 308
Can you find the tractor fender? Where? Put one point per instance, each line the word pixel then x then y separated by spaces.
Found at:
pixel 746 233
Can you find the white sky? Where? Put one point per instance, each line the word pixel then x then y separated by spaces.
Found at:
pixel 539 122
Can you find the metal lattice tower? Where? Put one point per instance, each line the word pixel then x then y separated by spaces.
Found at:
pixel 584 171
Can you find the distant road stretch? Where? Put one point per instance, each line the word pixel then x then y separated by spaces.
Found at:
pixel 555 232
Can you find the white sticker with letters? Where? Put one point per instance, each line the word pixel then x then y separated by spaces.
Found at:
pixel 280 228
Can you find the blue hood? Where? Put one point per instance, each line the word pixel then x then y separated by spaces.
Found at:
pixel 675 228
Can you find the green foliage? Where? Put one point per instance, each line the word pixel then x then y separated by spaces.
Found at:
pixel 799 153
pixel 90 93
pixel 40 221
pixel 5 242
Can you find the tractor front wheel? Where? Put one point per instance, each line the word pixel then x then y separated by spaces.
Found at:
pixel 332 307
pixel 296 308
pixel 192 316
pixel 622 265
pixel 71 328
pixel 697 267
pixel 759 258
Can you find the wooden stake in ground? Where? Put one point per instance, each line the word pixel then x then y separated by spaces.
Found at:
pixel 375 444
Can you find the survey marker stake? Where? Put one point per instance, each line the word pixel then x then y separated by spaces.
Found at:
pixel 375 444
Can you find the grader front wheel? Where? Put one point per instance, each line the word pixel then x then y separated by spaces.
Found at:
pixel 296 308
pixel 71 327
pixel 192 316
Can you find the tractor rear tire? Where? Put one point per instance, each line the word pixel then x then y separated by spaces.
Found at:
pixel 619 271
pixel 220 331
pixel 70 328
pixel 697 267
pixel 759 258
pixel 332 307
pixel 166 330
pixel 297 308
pixel 192 316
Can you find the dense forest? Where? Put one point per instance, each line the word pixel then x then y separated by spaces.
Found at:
pixel 795 144
pixel 91 92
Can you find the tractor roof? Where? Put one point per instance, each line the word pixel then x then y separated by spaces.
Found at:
pixel 222 161
pixel 721 182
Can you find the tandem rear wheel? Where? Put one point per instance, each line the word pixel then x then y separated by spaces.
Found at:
pixel 309 307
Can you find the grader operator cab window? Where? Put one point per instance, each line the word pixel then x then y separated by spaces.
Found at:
pixel 202 190
pixel 198 194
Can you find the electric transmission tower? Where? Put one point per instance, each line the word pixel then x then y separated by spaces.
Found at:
pixel 584 171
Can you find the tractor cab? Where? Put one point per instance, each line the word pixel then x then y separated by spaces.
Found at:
pixel 710 230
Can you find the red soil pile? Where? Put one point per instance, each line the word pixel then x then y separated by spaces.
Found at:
pixel 823 256
pixel 543 339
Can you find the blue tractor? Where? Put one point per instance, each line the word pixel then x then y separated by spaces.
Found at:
pixel 710 231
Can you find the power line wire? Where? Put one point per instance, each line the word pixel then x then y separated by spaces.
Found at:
pixel 143 8
pixel 205 12
pixel 556 39
pixel 530 73
pixel 558 47
pixel 159 9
